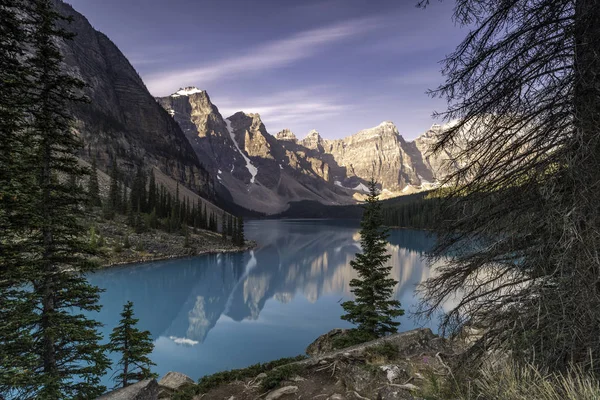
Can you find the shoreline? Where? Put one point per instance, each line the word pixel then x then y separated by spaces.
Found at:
pixel 249 246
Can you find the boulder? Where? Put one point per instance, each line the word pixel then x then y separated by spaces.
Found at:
pixel 324 343
pixel 172 382
pixel 142 390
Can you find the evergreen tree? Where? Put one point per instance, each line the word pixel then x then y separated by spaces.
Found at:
pixel 186 234
pixel 176 206
pixel 234 235
pixel 373 310
pixel 239 232
pixel 114 192
pixel 134 346
pixel 224 227
pixel 230 226
pixel 138 190
pixel 93 186
pixel 62 358
pixel 123 203
pixel 139 221
pixel 152 192
pixel 16 199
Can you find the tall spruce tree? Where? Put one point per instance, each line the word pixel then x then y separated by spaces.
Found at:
pixel 93 186
pixel 63 359
pixel 239 232
pixel 224 227
pixel 523 93
pixel 152 192
pixel 373 310
pixel 114 192
pixel 134 346
pixel 16 198
pixel 230 226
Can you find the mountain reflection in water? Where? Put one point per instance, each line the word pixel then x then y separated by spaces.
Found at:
pixel 225 311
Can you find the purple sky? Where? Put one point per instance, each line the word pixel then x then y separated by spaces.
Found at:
pixel 337 66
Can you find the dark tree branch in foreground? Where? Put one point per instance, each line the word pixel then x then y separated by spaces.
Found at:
pixel 520 229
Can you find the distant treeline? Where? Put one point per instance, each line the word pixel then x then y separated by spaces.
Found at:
pixel 419 213
pixel 410 211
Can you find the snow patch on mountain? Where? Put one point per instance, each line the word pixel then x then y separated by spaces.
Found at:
pixel 251 168
pixel 361 188
pixel 187 91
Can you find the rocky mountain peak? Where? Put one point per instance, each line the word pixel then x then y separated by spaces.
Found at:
pixel 313 140
pixel 384 129
pixel 313 134
pixel 286 135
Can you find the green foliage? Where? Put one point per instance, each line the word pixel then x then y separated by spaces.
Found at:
pixel 386 350
pixel 238 238
pixel 48 348
pixel 101 241
pixel 373 310
pixel 209 382
pixel 224 227
pixel 113 202
pixel 186 392
pixel 139 246
pixel 126 242
pixel 186 241
pixel 352 338
pixel 134 346
pixel 93 186
pixel 94 239
pixel 277 375
pixel 422 213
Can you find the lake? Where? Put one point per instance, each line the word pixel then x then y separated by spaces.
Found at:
pixel 215 312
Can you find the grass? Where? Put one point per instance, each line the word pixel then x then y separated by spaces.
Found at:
pixel 507 380
pixel 209 382
pixel 385 351
pixel 351 338
pixel 276 376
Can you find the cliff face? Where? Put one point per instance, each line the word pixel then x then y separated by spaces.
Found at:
pixel 123 120
pixel 380 152
pixel 257 170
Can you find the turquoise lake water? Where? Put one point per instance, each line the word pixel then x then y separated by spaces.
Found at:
pixel 217 312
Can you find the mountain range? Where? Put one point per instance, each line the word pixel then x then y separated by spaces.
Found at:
pixel 233 162
pixel 266 172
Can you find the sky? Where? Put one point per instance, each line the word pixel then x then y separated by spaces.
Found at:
pixel 337 66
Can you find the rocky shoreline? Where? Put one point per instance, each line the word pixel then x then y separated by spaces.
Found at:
pixel 249 246
pixel 119 245
pixel 404 366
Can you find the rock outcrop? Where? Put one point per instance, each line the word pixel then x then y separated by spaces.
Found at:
pixel 399 366
pixel 325 343
pixel 142 390
pixel 123 121
pixel 172 382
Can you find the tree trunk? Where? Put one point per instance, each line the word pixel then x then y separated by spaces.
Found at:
pixel 583 218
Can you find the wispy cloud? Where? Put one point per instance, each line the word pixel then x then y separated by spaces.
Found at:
pixel 289 108
pixel 428 78
pixel 274 54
